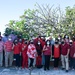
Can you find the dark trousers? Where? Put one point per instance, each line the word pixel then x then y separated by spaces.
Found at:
pixel 72 62
pixel 21 60
pixel 47 62
pixel 31 62
pixel 56 62
pixel 17 61
pixel 3 58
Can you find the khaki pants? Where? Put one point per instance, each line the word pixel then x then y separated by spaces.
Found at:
pixel 1 58
pixel 8 58
pixel 65 62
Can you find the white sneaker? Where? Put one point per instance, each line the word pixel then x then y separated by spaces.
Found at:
pixel 16 68
pixel 73 69
pixel 19 68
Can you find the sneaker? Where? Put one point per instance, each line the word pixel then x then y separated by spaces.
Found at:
pixel 16 68
pixel 55 68
pixel 63 68
pixel 29 68
pixel 19 68
pixel 47 68
pixel 66 70
pixel 44 69
pixel 73 69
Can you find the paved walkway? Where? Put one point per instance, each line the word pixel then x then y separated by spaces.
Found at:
pixel 13 71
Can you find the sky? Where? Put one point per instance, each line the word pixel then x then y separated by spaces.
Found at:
pixel 13 9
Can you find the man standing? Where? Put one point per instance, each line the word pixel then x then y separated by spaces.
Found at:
pixel 65 55
pixel 8 52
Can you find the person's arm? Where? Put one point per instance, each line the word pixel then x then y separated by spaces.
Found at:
pixel 44 48
pixel 23 47
pixel 13 47
pixel 4 47
pixel 68 51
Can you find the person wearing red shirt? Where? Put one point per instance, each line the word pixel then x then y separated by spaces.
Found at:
pixel 24 55
pixel 47 53
pixel 8 52
pixel 65 49
pixel 56 54
pixel 16 49
pixel 72 54
pixel 20 46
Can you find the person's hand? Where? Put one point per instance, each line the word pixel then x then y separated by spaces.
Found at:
pixel 51 56
pixel 5 53
pixel 24 46
pixel 37 55
pixel 66 56
pixel 22 49
pixel 20 53
pixel 74 55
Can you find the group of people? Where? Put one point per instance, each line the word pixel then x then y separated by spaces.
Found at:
pixel 37 52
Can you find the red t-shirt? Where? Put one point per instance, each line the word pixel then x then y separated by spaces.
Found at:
pixel 72 50
pixel 47 51
pixel 17 49
pixel 64 49
pixel 20 46
pixel 56 52
pixel 8 46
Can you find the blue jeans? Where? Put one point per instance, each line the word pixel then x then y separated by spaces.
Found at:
pixel 43 59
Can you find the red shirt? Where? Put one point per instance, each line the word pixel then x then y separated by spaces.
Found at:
pixel 47 51
pixel 72 50
pixel 64 49
pixel 17 49
pixel 8 46
pixel 1 46
pixel 56 51
pixel 20 46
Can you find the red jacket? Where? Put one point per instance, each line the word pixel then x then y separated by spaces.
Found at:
pixel 25 46
pixel 41 41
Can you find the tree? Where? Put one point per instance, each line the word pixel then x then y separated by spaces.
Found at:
pixel 44 20
pixel 69 21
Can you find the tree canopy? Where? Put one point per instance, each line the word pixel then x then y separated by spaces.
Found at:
pixel 45 20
